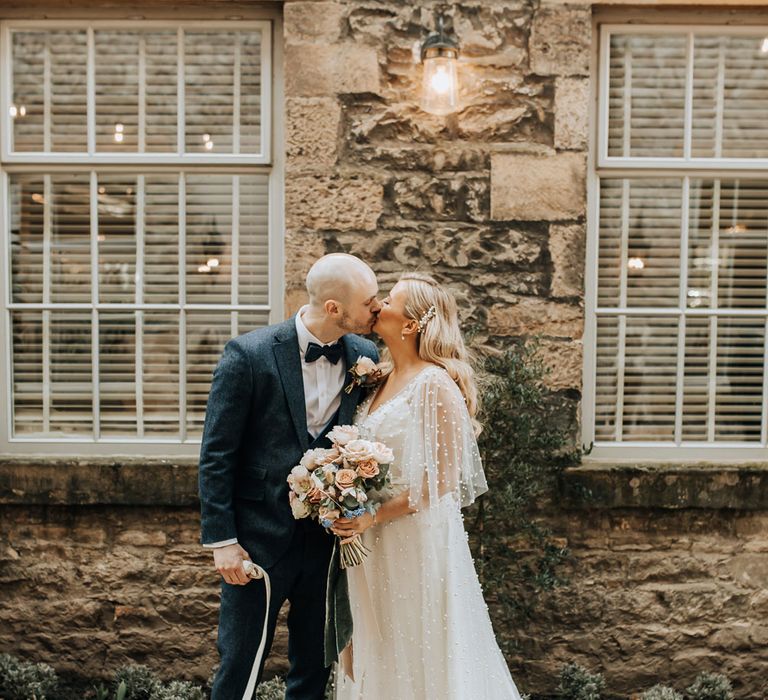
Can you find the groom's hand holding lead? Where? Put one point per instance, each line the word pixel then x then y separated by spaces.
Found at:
pixel 229 563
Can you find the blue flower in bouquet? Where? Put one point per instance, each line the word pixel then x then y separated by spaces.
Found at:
pixel 356 513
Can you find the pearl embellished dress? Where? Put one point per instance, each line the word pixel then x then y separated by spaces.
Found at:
pixel 421 625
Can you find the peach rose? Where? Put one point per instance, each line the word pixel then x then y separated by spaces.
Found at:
pixel 342 434
pixel 315 495
pixel 358 451
pixel 368 469
pixel 345 478
pixel 298 507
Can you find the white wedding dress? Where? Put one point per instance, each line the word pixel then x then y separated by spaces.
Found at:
pixel 421 625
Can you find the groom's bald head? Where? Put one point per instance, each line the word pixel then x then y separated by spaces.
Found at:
pixel 338 277
pixel 342 290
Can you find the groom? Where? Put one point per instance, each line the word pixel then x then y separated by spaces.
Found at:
pixel 276 392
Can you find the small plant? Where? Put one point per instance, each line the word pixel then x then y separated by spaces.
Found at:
pixel 576 683
pixel 25 680
pixel 271 690
pixel 710 686
pixel 177 690
pixel 140 683
pixel 661 692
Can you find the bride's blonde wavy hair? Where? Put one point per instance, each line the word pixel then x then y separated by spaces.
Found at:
pixel 439 337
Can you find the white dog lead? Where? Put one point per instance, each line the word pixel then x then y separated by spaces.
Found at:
pixel 256 572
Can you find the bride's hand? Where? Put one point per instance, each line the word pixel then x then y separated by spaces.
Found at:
pixel 347 527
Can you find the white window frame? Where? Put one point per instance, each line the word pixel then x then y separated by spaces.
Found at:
pixel 601 165
pixel 270 162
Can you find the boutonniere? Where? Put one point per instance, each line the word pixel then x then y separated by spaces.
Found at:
pixel 365 372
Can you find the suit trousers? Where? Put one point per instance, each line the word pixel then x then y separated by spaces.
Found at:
pixel 300 577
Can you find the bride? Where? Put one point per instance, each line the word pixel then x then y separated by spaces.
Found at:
pixel 421 626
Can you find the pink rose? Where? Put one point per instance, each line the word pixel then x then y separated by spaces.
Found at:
pixel 345 478
pixel 329 514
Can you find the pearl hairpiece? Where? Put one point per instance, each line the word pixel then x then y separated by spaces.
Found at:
pixel 426 317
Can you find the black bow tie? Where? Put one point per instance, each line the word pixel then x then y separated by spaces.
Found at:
pixel 315 352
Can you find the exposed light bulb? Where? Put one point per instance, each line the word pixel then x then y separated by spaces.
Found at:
pixel 209 145
pixel 22 111
pixel 102 190
pixel 636 264
pixel 213 262
pixel 119 128
pixel 118 137
pixel 13 111
pixel 764 46
pixel 206 138
pixel 203 268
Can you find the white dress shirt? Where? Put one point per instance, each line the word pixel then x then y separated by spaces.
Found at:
pixel 323 382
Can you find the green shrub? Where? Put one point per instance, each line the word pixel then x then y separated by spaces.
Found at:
pixel 25 680
pixel 524 447
pixel 178 690
pixel 271 690
pixel 710 686
pixel 661 692
pixel 576 683
pixel 140 682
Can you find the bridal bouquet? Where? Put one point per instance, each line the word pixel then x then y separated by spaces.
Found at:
pixel 336 482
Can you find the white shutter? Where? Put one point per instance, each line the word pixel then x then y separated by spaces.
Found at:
pixel 27 366
pixel 253 257
pixel 160 374
pixel 117 238
pixel 646 99
pixel 161 239
pixel 69 365
pixel 117 373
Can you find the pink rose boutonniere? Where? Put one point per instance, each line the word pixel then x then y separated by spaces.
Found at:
pixel 365 372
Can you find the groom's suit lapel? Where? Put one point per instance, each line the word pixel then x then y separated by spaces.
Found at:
pixel 286 349
pixel 348 400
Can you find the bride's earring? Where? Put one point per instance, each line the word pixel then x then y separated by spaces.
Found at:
pixel 402 336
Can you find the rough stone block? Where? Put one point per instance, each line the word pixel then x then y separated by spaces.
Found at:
pixel 571 113
pixel 312 21
pixel 566 248
pixel 530 317
pixel 538 188
pixel 563 362
pixel 312 132
pixel 330 202
pixel 561 41
pixel 323 70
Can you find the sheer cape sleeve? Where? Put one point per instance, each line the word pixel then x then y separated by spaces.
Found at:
pixel 440 453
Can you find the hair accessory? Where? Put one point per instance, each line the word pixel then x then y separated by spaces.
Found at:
pixel 426 318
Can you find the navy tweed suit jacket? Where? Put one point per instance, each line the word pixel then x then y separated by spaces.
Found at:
pixel 255 433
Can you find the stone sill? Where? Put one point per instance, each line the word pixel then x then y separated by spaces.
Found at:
pixel 593 485
pixel 663 485
pixel 140 482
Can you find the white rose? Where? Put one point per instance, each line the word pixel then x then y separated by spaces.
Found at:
pixel 299 508
pixel 364 366
pixel 381 453
pixel 342 434
pixel 358 451
pixel 314 458
pixel 299 479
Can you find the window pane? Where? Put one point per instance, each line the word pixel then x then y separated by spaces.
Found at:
pixel 607 377
pixel 50 88
pixel 253 253
pixel 730 97
pixel 212 86
pixel 646 108
pixel 207 332
pixel 739 379
pixel 649 378
pixel 209 239
pixel 27 367
pixel 161 239
pixel 117 90
pixel 70 213
pixel 117 374
pixel 30 57
pixel 161 374
pixel 639 242
pixel 27 238
pixel 70 369
pixel 161 61
pixel 117 238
